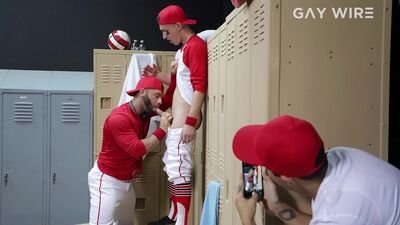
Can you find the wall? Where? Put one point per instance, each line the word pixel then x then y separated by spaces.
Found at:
pixel 61 35
pixel 394 111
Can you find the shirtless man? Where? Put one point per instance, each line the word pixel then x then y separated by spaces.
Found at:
pixel 191 82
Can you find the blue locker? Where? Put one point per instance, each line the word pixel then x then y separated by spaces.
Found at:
pixel 2 76
pixel 23 156
pixel 70 147
pixel 46 146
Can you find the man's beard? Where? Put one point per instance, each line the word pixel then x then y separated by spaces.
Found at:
pixel 148 107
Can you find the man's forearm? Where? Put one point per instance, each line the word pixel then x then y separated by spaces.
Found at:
pixel 164 78
pixel 150 143
pixel 197 103
pixel 290 215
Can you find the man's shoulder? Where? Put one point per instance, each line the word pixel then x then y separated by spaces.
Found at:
pixel 120 112
pixel 196 41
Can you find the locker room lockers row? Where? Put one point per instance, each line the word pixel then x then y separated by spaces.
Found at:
pixel 152 189
pixel 46 142
pixel 264 62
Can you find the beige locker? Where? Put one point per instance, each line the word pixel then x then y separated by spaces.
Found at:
pixel 152 189
pixel 265 63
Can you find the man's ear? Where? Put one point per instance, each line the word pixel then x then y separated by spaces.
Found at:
pixel 179 25
pixel 142 92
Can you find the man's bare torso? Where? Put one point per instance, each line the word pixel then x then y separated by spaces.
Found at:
pixel 180 109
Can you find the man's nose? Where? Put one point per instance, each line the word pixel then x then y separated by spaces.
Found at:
pixel 164 36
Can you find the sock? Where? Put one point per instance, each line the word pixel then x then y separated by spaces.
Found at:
pixel 183 194
pixel 174 208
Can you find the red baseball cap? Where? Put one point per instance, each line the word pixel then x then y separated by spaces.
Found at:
pixel 146 83
pixel 173 14
pixel 285 145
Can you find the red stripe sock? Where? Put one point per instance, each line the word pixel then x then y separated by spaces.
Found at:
pixel 183 196
pixel 174 208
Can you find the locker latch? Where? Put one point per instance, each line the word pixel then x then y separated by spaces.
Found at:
pixel 53 177
pixel 5 177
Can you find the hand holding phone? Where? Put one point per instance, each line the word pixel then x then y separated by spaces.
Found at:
pixel 252 180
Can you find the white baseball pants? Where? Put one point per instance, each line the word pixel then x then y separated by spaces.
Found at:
pixel 177 157
pixel 112 201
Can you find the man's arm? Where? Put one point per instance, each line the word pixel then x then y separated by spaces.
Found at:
pixel 151 142
pixel 195 112
pixel 195 57
pixel 286 213
pixel 152 70
pixel 246 207
pixel 120 127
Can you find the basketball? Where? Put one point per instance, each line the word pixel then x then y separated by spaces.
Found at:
pixel 119 39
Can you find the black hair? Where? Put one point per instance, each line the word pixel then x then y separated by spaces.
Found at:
pixel 319 161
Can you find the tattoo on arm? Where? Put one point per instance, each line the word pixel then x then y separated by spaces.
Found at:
pixel 287 214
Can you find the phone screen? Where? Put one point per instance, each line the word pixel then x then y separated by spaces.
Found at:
pixel 252 180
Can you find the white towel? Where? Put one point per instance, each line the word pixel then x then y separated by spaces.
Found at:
pixel 135 70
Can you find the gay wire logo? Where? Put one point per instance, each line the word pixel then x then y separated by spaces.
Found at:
pixel 336 13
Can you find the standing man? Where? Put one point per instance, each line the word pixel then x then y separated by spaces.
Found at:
pixel 347 186
pixel 191 82
pixel 112 197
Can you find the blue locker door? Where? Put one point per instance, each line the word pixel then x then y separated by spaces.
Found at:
pixel 70 149
pixel 22 163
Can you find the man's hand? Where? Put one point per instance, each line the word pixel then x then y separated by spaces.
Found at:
pixel 150 70
pixel 165 120
pixel 188 133
pixel 246 207
pixel 271 198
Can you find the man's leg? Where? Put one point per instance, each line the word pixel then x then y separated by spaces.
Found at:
pixel 183 196
pixel 174 208
pixel 106 193
pixel 178 165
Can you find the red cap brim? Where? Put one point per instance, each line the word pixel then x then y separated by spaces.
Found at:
pixel 243 144
pixel 190 22
pixel 132 92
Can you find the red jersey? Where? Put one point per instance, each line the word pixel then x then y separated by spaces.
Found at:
pixel 122 150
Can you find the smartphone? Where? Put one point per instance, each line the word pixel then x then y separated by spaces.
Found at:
pixel 252 180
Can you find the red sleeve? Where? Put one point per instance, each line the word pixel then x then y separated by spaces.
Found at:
pixel 167 97
pixel 195 57
pixel 126 136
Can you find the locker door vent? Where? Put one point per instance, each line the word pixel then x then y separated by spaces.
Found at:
pixel 215 52
pixel 221 163
pixel 105 73
pixel 259 28
pixel 243 36
pixel 23 112
pixel 209 56
pixel 208 157
pixel 118 76
pixel 231 45
pixel 70 112
pixel 214 158
pixel 223 47
pixel 148 176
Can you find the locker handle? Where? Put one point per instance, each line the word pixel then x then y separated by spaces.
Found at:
pixel 227 189
pixel 5 177
pixel 53 177
pixel 222 104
